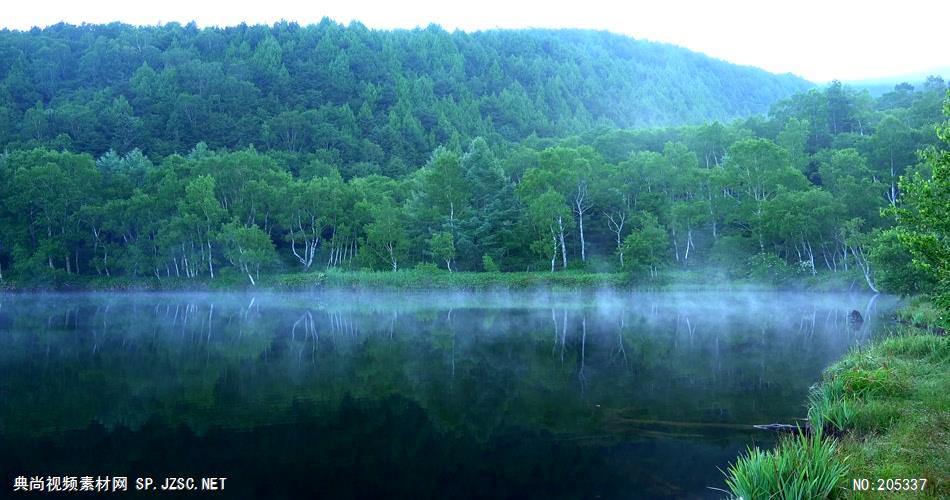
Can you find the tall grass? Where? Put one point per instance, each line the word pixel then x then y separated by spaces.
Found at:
pixel 411 279
pixel 920 312
pixel 802 466
pixel 828 410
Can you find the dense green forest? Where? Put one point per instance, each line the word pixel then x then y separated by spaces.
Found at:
pixel 369 101
pixel 173 152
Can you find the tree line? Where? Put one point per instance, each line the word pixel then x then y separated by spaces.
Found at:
pixel 799 192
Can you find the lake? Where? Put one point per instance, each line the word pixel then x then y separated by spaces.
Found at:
pixel 357 395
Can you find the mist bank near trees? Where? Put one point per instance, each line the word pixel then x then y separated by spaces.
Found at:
pixel 796 193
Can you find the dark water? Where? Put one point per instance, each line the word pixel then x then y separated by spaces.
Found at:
pixel 421 395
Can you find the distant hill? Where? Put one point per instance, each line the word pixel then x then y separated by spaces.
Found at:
pixel 355 94
pixel 879 86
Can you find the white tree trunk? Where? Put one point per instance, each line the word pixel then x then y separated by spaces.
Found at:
pixel 392 255
pixel 615 224
pixel 210 265
pixel 560 224
pixel 581 208
pixel 862 261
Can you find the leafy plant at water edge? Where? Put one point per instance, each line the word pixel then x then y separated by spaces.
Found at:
pixel 803 466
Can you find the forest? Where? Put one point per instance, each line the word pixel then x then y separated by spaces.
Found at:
pixel 173 152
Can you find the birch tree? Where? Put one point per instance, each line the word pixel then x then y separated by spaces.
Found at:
pixel 247 248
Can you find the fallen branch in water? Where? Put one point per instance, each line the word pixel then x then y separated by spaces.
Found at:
pixel 785 428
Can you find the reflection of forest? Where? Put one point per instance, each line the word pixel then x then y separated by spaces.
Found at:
pixel 472 365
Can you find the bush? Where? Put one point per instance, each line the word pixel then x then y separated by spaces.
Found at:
pixel 727 252
pixel 769 268
pixel 895 271
pixel 488 264
pixel 427 267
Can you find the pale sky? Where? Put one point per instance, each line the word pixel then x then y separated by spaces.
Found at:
pixel 818 40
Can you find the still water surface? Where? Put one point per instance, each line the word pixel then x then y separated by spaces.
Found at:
pixel 345 395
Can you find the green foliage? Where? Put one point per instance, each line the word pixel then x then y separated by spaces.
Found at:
pixel 386 235
pixel 426 267
pixel 343 148
pixel 889 404
pixel 828 410
pixel 923 219
pixel 427 276
pixel 768 268
pixel 896 272
pixel 802 466
pixel 365 95
pixel 920 312
pixel 248 248
pixel 645 247
pixel 442 246
pixel 488 264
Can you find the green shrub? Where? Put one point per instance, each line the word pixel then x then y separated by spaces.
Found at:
pixel 802 466
pixel 427 267
pixel 769 268
pixel 895 271
pixel 488 264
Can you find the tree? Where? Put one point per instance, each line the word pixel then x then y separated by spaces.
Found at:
pixel 445 186
pixel 386 235
pixel 442 246
pixel 923 218
pixel 859 242
pixel 846 175
pixel 756 170
pixel 551 217
pixel 794 138
pixel 896 272
pixel 202 215
pixel 571 172
pixel 646 246
pixel 247 248
pixel 46 194
pixel 892 151
pixel 311 206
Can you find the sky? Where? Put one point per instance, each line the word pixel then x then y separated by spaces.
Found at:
pixel 818 40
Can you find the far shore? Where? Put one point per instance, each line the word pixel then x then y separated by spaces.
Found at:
pixel 443 280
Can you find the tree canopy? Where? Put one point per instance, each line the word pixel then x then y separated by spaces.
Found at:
pixel 173 152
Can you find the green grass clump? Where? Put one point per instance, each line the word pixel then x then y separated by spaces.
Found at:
pixel 922 313
pixel 829 410
pixel 928 347
pixel 802 466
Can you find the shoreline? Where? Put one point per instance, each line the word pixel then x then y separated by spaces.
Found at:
pixel 884 413
pixel 685 280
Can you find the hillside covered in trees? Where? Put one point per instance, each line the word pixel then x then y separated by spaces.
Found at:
pixel 383 99
pixel 177 153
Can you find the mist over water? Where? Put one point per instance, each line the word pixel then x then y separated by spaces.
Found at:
pixel 337 394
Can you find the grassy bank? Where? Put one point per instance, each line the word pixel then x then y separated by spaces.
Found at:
pixel 883 412
pixel 424 279
pixel 416 279
pixel 401 280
